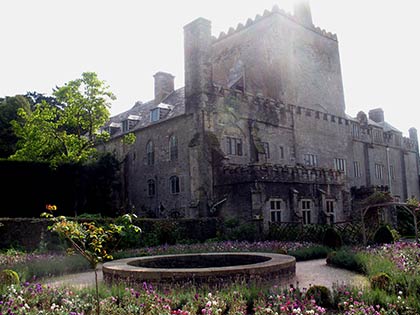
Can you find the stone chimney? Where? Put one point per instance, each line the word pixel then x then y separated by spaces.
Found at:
pixel 302 11
pixel 377 115
pixel 197 45
pixel 164 85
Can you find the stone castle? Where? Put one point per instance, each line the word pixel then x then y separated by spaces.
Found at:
pixel 259 131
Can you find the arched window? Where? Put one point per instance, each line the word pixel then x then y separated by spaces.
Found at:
pixel 174 184
pixel 173 148
pixel 151 187
pixel 150 153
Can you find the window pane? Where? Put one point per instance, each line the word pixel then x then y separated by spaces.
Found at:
pixel 239 147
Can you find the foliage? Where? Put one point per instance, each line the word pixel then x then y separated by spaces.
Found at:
pixel 68 134
pixel 93 242
pixel 346 259
pixel 351 301
pixel 38 98
pixel 292 301
pixel 332 239
pixel 383 235
pixel 321 295
pixel 235 230
pixel 8 277
pixel 240 298
pixel 395 235
pixel 378 197
pixel 90 240
pixel 9 108
pixel 381 281
pixel 311 252
pixel 129 138
pixel 89 188
pixel 297 232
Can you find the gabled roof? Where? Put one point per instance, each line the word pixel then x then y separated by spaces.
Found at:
pixel 174 103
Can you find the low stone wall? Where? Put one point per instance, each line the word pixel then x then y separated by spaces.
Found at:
pixel 242 267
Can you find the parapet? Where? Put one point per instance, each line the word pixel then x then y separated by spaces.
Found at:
pixel 266 14
pixel 235 173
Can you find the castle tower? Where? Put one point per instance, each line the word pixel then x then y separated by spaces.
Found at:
pixel 197 44
pixel 302 12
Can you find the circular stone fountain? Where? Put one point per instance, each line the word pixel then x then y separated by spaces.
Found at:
pixel 207 268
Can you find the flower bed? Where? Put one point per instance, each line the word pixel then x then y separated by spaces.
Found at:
pixel 35 299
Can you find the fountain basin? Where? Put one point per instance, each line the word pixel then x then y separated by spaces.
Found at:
pixel 203 268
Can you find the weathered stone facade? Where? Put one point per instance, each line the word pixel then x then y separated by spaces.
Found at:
pixel 259 131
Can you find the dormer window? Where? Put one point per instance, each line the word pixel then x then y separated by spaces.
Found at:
pixel 154 114
pixel 161 111
pixel 130 122
pixel 125 125
pixel 113 128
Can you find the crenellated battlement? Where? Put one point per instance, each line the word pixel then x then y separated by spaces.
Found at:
pixel 353 127
pixel 235 173
pixel 266 14
pixel 409 144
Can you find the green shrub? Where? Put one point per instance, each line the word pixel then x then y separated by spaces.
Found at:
pixel 238 231
pixel 321 295
pixel 308 253
pixel 381 281
pixel 347 259
pixel 8 277
pixel 332 239
pixel 383 235
pixel 395 235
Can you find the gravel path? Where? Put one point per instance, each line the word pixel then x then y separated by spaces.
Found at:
pixel 317 272
pixel 312 272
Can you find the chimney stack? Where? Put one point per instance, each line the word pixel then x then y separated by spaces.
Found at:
pixel 164 85
pixel 377 115
pixel 197 46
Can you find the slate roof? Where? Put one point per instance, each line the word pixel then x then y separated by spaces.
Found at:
pixel 176 102
pixel 388 127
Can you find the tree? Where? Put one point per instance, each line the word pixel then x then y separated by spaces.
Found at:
pixel 94 242
pixel 37 98
pixel 66 133
pixel 9 108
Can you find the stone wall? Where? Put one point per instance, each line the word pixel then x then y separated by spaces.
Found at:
pixel 284 60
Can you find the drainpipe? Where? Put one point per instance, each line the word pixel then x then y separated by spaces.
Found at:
pixel 390 186
pixel 389 171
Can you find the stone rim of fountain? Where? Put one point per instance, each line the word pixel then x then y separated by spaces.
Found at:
pixel 277 266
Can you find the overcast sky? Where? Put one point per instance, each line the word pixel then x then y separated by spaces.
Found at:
pixel 45 43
